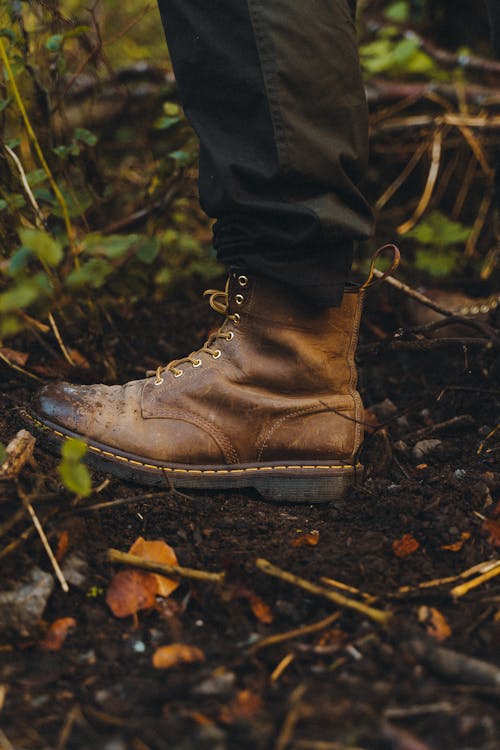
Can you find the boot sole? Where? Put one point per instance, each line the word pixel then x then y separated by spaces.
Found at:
pixel 284 482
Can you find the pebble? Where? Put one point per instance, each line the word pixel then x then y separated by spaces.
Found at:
pixel 139 647
pixel 216 685
pixel 75 570
pixel 22 608
pixel 459 473
pixel 425 447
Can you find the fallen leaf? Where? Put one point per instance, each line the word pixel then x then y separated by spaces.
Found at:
pixel 130 591
pixel 157 551
pixel 17 358
pixel 405 546
pixel 421 467
pixel 457 546
pixel 62 545
pixel 261 609
pixel 492 528
pixel 57 634
pixel 435 622
pixel 310 539
pixel 170 656
pixel 245 705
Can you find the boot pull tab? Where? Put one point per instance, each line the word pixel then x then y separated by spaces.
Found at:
pixel 377 277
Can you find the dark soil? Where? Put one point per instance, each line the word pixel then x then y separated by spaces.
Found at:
pixel 352 684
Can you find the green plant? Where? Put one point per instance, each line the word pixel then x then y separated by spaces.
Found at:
pixel 74 474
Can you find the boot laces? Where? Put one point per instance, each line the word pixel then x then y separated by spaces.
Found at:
pixel 219 301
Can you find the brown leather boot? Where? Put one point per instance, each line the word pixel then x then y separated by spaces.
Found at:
pixel 269 402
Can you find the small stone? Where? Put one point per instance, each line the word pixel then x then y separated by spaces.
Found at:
pixel 424 448
pixel 139 647
pixel 459 473
pixel 75 570
pixel 22 608
pixel 216 685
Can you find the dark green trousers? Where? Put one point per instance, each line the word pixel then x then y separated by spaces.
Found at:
pixel 273 89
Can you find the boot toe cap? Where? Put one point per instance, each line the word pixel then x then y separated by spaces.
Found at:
pixel 61 403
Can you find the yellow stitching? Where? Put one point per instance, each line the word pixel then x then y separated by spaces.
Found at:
pixel 196 471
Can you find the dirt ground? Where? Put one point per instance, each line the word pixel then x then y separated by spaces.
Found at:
pixel 427 680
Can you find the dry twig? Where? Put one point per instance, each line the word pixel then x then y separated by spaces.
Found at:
pixel 125 558
pixel 379 616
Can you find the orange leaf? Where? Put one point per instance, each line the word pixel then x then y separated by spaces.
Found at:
pixel 170 656
pixel 244 706
pixel 306 540
pixel 457 546
pixel 492 528
pixel 62 545
pixel 405 546
pixel 157 551
pixel 436 623
pixel 130 591
pixel 57 633
pixel 261 609
pixel 17 358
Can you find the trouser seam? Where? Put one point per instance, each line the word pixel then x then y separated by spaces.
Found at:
pixel 263 43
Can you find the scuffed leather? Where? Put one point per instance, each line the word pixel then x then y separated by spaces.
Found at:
pixel 283 389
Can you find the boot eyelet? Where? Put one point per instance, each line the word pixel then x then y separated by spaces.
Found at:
pixel 236 319
pixel 230 336
pixel 217 353
pixel 197 363
pixel 239 299
pixel 242 280
pixel 160 381
pixel 178 373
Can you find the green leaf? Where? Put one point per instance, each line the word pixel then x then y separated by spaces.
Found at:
pixel 181 157
pixel 74 474
pixel 9 326
pixel 54 43
pixel 24 293
pixel 3 453
pixel 437 263
pixel 3 204
pixel 19 260
pixel 148 250
pixel 165 123
pixel 75 477
pixel 94 274
pixel 399 12
pixel 74 449
pixel 36 177
pixel 4 103
pixel 439 231
pixel 111 246
pixel 45 247
pixel 171 109
pixel 85 136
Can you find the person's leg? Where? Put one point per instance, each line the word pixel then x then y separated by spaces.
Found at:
pixel 273 89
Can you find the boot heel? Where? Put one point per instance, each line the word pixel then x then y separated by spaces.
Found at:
pixel 307 490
